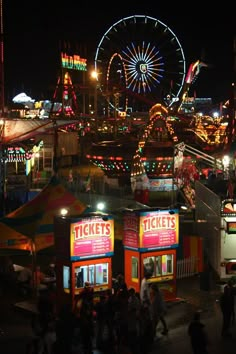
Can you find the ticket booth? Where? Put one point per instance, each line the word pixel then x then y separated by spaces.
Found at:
pixel 84 247
pixel 150 241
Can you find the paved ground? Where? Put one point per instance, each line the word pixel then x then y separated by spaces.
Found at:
pixel 180 314
pixel 16 331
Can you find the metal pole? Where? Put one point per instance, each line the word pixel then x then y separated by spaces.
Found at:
pixel 55 150
pixel 2 93
pixel 173 178
pixel 3 178
pixel 2 105
pixel 96 107
pixel 34 267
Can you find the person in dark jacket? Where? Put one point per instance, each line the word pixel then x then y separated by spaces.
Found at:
pixel 198 336
pixel 227 309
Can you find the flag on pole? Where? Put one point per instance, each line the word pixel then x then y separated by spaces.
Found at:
pixel 88 182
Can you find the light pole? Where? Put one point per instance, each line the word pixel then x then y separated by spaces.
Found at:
pixel 3 157
pixel 116 107
pixel 94 76
pixel 2 93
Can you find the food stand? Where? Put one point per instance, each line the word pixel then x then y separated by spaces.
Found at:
pixel 150 241
pixel 84 248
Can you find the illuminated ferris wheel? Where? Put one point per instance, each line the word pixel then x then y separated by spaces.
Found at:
pixel 141 59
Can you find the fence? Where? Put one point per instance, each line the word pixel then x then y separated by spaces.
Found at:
pixel 187 267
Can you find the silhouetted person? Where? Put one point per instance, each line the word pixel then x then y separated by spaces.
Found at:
pixel 157 309
pixel 227 309
pixel 145 290
pixel 198 336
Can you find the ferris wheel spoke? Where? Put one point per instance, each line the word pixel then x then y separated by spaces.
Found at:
pixel 148 60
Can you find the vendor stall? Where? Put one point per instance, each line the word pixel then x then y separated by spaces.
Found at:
pixel 84 249
pixel 150 241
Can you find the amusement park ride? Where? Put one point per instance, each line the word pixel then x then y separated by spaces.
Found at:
pixel 137 76
pixel 172 148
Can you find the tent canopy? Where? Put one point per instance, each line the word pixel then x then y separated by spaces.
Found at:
pixel 32 223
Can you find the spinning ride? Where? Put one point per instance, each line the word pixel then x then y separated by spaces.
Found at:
pixel 140 57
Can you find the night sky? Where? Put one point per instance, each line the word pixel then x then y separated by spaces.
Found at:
pixel 34 32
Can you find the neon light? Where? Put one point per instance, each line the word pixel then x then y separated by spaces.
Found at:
pixel 73 62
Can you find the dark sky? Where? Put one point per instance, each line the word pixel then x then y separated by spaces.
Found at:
pixel 33 31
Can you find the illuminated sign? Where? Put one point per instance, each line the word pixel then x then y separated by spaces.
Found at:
pixel 228 207
pixel 131 228
pixel 162 185
pixel 17 153
pixel 230 225
pixel 73 62
pixel 92 237
pixel 156 229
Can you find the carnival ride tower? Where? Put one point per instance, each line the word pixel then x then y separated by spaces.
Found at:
pixel 65 93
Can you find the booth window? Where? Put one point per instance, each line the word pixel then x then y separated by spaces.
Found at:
pixel 149 266
pixel 95 274
pixel 157 266
pixel 134 274
pixel 66 277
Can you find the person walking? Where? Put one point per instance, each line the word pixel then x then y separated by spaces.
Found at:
pixel 227 309
pixel 157 309
pixel 145 290
pixel 198 336
pixel 232 294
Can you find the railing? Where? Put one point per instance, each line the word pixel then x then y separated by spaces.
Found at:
pixel 187 267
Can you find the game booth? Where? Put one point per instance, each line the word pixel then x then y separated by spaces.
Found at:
pixel 84 247
pixel 150 241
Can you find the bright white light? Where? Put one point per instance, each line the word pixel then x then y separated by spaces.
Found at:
pixel 100 206
pixel 94 75
pixel 64 212
pixel 215 114
pixel 226 160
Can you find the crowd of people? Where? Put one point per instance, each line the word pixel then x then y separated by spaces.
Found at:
pixel 123 321
pixel 24 281
pixel 120 322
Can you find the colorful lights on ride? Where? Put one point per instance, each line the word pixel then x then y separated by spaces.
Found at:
pixel 74 62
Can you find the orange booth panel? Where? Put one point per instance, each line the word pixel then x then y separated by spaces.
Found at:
pixel 132 269
pixel 161 265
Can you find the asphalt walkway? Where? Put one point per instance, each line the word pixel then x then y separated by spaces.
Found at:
pixel 180 314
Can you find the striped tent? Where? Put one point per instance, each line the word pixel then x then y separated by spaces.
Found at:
pixel 11 239
pixel 34 221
